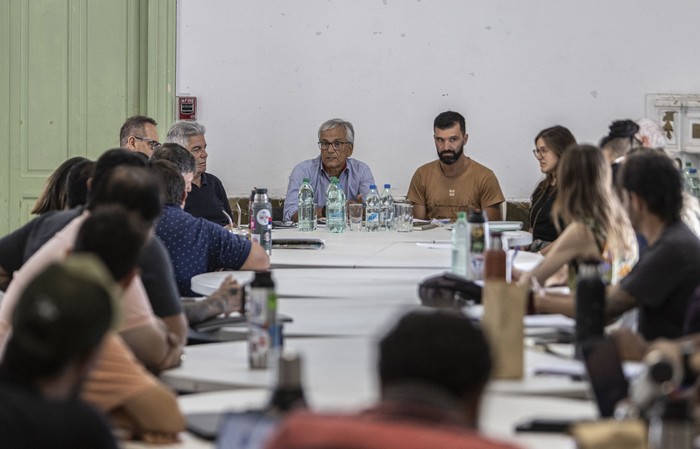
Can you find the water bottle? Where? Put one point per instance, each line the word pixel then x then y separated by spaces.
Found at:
pixel 306 211
pixel 478 232
pixel 264 331
pixel 691 183
pixel 671 425
pixel 386 218
pixel 373 209
pixel 335 207
pixel 495 259
pixel 590 303
pixel 460 242
pixel 251 221
pixel 288 393
pixel 262 220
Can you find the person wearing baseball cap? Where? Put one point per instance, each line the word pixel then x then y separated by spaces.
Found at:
pixel 58 327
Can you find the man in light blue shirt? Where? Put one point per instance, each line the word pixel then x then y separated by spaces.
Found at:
pixel 336 139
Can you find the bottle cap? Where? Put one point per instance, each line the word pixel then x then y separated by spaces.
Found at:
pixel 289 371
pixel 306 180
pixel 261 190
pixel 387 186
pixel 334 179
pixel 372 186
pixel 461 215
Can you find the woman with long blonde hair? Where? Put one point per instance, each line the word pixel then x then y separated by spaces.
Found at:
pixel 596 225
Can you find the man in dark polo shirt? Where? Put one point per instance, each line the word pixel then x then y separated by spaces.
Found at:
pixel 207 199
pixel 668 271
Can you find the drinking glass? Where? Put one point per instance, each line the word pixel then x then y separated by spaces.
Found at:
pixel 403 217
pixel 355 212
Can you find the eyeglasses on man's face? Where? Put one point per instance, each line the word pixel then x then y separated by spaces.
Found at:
pixel 336 144
pixel 151 143
pixel 540 152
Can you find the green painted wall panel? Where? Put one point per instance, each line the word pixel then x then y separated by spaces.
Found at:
pixel 4 111
pixel 71 72
pixel 107 82
pixel 44 87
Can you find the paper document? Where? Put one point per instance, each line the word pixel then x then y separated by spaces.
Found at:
pixel 576 368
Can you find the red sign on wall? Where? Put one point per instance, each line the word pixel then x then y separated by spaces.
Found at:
pixel 187 108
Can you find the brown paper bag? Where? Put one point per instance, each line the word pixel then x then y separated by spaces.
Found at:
pixel 610 434
pixel 504 309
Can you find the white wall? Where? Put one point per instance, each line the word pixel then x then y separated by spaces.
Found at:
pixel 267 73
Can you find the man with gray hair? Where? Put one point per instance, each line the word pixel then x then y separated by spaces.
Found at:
pixel 208 198
pixel 336 139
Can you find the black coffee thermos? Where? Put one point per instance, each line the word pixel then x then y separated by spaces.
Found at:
pixel 590 302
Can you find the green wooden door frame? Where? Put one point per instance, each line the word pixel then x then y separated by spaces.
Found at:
pixel 71 71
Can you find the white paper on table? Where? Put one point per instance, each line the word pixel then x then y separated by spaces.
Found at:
pixel 556 321
pixel 550 320
pixel 434 245
pixel 576 368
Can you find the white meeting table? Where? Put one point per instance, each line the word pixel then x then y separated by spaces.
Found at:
pixel 339 375
pixel 339 372
pixel 341 300
pixel 383 249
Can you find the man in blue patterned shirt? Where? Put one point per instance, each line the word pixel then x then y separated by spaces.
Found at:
pixel 197 245
pixel 336 139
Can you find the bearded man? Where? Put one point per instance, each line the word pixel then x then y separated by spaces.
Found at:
pixel 454 182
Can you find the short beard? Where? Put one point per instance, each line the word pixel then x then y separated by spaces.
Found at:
pixel 450 159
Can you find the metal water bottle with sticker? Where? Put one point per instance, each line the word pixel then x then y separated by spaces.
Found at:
pixel 478 244
pixel 264 330
pixel 262 217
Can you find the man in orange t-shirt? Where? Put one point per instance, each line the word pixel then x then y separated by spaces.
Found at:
pixel 454 182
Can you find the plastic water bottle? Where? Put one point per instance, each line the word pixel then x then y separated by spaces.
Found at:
pixel 335 207
pixel 251 221
pixel 386 218
pixel 262 219
pixel 264 331
pixel 478 244
pixel 306 210
pixel 373 210
pixel 671 424
pixel 460 242
pixel 690 180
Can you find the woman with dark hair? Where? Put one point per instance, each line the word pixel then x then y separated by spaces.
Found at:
pixel 53 197
pixel 550 143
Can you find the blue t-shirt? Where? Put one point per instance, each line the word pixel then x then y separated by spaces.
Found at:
pixel 198 246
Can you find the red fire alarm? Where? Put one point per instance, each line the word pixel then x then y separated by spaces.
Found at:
pixel 187 108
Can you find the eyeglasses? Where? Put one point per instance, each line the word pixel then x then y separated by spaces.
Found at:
pixel 151 143
pixel 540 152
pixel 337 145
